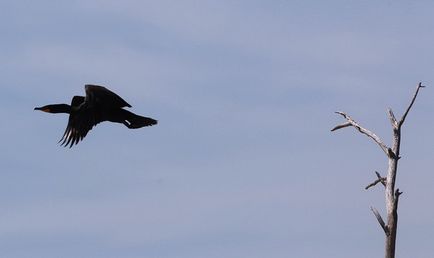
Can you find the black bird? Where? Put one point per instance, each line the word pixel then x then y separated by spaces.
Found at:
pixel 99 105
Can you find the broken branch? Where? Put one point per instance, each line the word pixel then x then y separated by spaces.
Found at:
pixel 383 179
pixel 380 179
pixel 392 118
pixel 380 220
pixel 341 126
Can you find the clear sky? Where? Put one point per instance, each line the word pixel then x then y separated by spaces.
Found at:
pixel 242 162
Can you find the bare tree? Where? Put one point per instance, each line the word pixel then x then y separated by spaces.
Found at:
pixel 392 153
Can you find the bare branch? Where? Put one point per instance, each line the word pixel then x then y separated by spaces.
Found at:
pixel 380 220
pixel 411 104
pixel 392 118
pixel 383 179
pixel 364 131
pixel 380 179
pixel 397 194
pixel 373 184
pixel 341 126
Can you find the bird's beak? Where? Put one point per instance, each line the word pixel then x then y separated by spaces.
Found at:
pixel 43 109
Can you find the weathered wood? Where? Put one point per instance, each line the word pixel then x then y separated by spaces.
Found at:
pixel 392 118
pixel 341 126
pixel 362 130
pixel 411 103
pixel 380 221
pixel 392 195
pixel 380 179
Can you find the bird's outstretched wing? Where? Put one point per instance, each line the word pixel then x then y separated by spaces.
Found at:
pixel 80 122
pixel 100 104
pixel 101 96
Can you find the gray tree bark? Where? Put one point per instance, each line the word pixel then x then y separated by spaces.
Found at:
pixel 392 196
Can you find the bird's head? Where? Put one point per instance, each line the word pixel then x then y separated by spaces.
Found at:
pixel 55 108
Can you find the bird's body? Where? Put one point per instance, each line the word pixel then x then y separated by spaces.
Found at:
pixel 99 105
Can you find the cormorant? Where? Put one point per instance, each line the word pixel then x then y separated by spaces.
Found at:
pixel 99 105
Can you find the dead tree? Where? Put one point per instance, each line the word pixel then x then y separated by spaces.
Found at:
pixel 392 196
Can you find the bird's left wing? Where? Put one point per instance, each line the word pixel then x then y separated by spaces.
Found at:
pixel 79 124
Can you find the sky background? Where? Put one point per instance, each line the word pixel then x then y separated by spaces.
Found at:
pixel 242 162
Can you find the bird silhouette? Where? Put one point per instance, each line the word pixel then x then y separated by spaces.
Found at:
pixel 99 105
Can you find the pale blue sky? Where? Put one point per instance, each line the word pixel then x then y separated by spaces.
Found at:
pixel 242 162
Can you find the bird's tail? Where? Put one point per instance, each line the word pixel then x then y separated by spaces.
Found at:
pixel 134 121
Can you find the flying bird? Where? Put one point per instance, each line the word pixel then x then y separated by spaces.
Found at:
pixel 99 105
